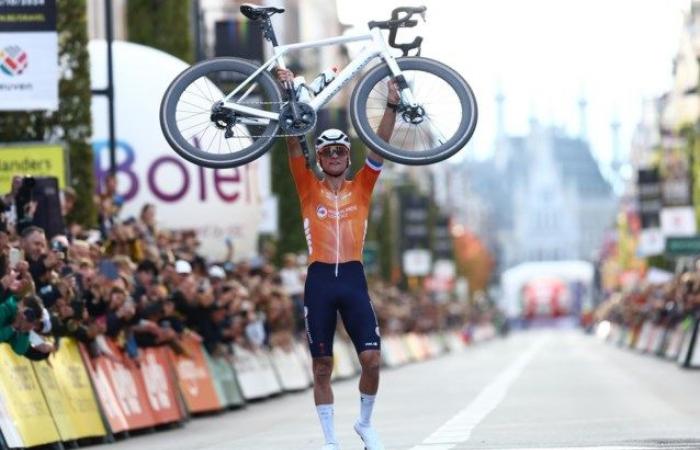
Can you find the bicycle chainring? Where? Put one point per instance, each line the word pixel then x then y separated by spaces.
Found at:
pixel 305 123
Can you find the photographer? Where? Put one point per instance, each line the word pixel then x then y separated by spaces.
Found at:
pixel 17 319
pixel 41 260
pixel 25 205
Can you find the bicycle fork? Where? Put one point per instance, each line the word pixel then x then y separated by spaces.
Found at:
pixel 404 89
pixel 407 97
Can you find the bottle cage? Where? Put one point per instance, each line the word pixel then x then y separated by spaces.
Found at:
pixel 397 22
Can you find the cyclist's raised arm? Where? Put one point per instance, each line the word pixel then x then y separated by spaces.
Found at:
pixel 293 145
pixel 386 125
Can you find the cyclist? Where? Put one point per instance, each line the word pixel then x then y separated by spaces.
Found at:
pixel 334 212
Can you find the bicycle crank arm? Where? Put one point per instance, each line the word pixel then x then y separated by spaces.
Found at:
pixel 289 88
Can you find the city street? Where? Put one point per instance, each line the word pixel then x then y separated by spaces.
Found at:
pixel 543 388
pixel 189 189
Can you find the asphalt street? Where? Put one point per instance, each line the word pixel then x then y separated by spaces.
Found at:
pixel 543 388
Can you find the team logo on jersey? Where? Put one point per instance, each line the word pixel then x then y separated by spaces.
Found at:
pixel 321 212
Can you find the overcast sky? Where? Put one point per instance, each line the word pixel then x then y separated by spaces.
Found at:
pixel 545 54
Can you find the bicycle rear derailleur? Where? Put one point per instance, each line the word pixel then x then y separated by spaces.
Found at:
pixel 223 118
pixel 306 118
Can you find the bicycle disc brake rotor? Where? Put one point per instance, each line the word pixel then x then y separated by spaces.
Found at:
pixel 413 115
pixel 305 123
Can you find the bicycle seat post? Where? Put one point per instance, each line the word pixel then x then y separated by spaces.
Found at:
pixel 269 34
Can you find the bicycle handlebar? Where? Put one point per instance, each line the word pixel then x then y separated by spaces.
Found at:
pixel 403 22
pixel 397 22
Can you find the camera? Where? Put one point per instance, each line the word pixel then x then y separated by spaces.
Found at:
pixel 58 246
pixel 29 315
pixel 24 193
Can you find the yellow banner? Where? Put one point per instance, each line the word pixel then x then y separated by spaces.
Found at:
pixel 56 401
pixel 72 379
pixel 36 160
pixel 24 401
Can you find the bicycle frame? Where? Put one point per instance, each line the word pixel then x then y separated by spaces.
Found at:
pixel 377 47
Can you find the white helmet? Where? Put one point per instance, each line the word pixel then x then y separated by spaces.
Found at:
pixel 332 136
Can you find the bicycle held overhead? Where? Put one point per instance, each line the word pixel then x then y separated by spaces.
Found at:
pixel 226 112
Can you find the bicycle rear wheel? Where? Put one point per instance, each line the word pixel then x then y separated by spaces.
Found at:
pixel 442 124
pixel 207 134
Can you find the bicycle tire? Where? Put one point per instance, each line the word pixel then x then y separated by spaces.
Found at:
pixel 183 147
pixel 366 132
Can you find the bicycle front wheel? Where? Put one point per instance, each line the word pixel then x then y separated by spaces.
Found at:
pixel 440 126
pixel 201 130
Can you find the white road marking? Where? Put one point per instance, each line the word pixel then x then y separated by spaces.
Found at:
pixel 459 428
pixel 602 447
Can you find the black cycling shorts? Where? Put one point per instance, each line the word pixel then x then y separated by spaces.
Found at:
pixel 326 295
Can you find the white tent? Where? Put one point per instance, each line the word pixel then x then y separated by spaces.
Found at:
pixel 513 279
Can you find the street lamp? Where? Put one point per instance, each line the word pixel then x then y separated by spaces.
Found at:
pixel 109 90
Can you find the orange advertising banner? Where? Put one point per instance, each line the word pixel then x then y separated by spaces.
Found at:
pixel 159 382
pixel 127 384
pixel 108 399
pixel 121 389
pixel 194 378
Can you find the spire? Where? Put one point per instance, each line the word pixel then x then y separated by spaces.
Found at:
pixel 583 123
pixel 501 146
pixel 500 115
pixel 532 120
pixel 616 153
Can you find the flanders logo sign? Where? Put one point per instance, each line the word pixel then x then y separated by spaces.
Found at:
pixel 13 60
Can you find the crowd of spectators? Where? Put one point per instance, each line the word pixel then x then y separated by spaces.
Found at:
pixel 141 285
pixel 664 303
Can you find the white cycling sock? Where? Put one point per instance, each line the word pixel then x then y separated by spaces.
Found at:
pixel 325 415
pixel 366 405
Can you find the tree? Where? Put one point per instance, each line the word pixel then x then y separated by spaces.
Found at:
pixel 162 24
pixel 692 150
pixel 474 261
pixel 385 230
pixel 71 124
pixel 357 156
pixel 291 236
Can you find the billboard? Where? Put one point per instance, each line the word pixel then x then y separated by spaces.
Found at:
pixel 38 160
pixel 216 203
pixel 28 56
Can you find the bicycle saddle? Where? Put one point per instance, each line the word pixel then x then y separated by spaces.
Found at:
pixel 255 12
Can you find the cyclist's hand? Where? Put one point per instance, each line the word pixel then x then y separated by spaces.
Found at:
pixel 284 75
pixel 393 96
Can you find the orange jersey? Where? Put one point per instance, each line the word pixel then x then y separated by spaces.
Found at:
pixel 335 224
